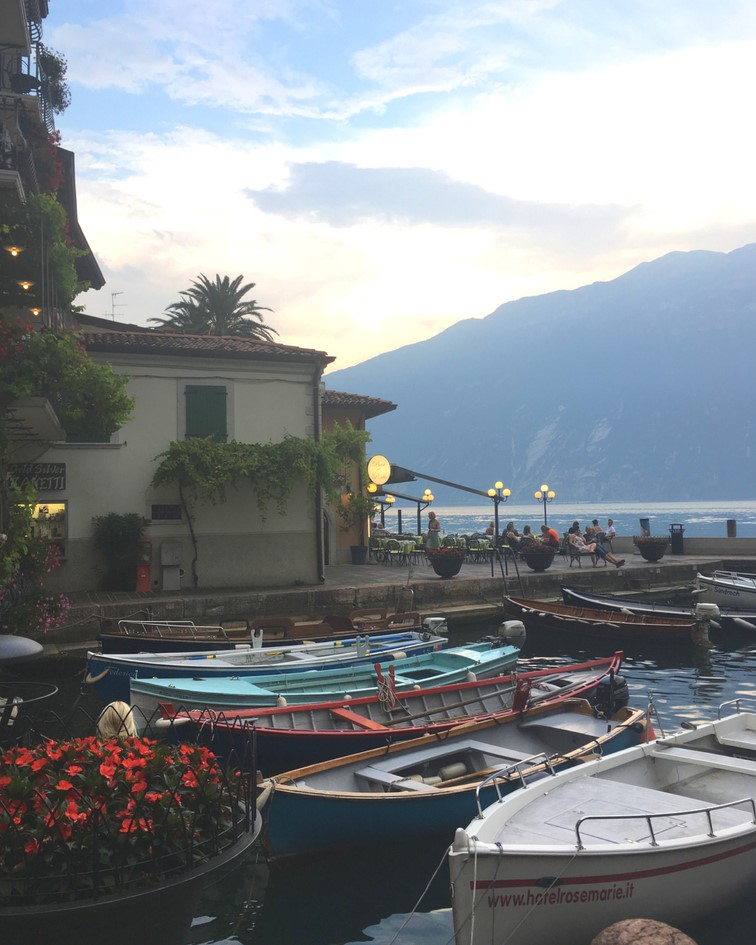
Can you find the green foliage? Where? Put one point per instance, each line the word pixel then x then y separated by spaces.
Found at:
pixel 116 537
pixel 54 85
pixel 89 399
pixel 203 469
pixel 357 508
pixel 206 468
pixel 216 308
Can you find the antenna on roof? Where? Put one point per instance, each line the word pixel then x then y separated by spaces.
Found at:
pixel 113 304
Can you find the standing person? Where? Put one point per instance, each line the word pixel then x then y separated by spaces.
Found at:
pixel 433 538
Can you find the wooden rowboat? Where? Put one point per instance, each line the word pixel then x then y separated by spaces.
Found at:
pixel 423 786
pixel 563 618
pixel 293 736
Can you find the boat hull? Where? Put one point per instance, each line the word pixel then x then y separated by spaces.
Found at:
pixel 728 589
pixel 370 798
pixel 431 669
pixel 562 618
pixel 513 900
pixel 110 673
pixel 296 736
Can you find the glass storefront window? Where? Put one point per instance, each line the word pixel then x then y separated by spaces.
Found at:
pixel 50 524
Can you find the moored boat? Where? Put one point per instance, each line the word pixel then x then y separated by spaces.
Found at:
pixel 422 787
pixel 614 625
pixel 665 830
pixel 386 678
pixel 293 736
pixel 721 618
pixel 110 673
pixel 161 636
pixel 731 589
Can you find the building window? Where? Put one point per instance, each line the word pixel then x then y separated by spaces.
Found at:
pixel 206 411
pixel 165 513
pixel 50 521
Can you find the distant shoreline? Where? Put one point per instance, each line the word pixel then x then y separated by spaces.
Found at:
pixel 699 519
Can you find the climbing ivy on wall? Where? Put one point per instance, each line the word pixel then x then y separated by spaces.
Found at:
pixel 203 469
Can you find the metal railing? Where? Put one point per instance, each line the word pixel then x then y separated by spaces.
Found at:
pixel 649 818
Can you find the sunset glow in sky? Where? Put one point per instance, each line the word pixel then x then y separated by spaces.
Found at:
pixel 384 169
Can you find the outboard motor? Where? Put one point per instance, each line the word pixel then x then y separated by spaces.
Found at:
pixel 437 626
pixel 705 616
pixel 513 632
pixel 611 694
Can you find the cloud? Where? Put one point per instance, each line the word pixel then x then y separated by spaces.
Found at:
pixel 342 195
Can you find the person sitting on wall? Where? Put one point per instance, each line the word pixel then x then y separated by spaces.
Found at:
pixel 611 531
pixel 592 548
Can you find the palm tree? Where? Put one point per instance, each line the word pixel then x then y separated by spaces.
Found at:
pixel 216 308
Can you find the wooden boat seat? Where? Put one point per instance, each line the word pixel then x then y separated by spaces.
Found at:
pixel 706 759
pixel 359 720
pixel 388 779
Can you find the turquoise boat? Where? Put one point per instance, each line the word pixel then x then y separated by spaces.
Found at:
pixel 456 664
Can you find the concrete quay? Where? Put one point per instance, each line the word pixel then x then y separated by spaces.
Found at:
pixel 474 595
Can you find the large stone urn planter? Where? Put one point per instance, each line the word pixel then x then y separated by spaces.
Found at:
pixel 538 560
pixel 446 566
pixel 651 548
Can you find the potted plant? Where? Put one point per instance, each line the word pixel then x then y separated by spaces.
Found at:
pixel 651 547
pixel 356 509
pixel 446 561
pixel 537 555
pixel 117 538
pixel 95 825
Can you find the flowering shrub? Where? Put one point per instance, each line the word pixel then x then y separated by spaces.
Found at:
pixel 24 607
pixel 88 817
pixel 650 540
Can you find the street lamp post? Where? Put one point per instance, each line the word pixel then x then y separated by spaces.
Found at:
pixel 544 494
pixel 498 494
pixel 421 506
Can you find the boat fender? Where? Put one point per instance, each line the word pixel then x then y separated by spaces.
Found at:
pixel 453 771
pixel 90 680
pixel 397 655
pixel 432 780
pixel 281 701
pixel 637 726
pixel 471 677
pixel 745 624
pixel 262 797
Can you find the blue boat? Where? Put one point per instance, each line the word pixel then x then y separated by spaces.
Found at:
pixel 110 673
pixel 385 678
pixel 428 786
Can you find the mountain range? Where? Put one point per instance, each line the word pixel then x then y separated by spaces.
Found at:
pixel 640 388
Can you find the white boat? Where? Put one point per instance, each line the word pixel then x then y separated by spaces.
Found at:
pixel 730 589
pixel 665 830
pixel 110 673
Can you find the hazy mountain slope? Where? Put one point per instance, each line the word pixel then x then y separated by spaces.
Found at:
pixel 638 388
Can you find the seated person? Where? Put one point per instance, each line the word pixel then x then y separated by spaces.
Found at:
pixel 490 530
pixel 611 532
pixel 512 537
pixel 592 548
pixel 527 538
pixel 550 537
pixel 598 533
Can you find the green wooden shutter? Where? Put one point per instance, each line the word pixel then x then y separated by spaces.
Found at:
pixel 206 411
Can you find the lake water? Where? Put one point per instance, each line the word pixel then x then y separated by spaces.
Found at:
pixel 399 895
pixel 699 519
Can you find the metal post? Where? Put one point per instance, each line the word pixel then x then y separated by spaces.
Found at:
pixel 399 521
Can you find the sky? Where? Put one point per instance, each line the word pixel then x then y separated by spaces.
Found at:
pixel 382 170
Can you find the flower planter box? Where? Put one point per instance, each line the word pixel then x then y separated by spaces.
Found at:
pixel 538 560
pixel 446 566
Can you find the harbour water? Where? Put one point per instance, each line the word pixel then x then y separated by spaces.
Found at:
pixel 699 519
pixel 399 894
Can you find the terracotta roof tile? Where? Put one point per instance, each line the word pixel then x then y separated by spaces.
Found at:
pixel 373 406
pixel 204 346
